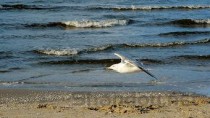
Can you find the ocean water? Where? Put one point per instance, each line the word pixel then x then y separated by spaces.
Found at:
pixel 67 44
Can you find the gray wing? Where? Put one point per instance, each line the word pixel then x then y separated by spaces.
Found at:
pixel 125 60
pixel 146 71
pixel 134 63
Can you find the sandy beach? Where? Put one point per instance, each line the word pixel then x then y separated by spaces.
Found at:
pixel 56 59
pixel 64 104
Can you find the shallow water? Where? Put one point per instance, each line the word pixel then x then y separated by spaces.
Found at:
pixel 68 45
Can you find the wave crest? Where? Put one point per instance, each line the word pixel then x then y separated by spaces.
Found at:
pixel 95 24
pixel 60 52
pixel 132 7
pixel 84 24
pixel 69 52
pixel 170 44
pixel 203 21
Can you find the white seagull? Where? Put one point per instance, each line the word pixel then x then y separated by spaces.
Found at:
pixel 128 66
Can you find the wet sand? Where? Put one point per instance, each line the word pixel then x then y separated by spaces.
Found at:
pixel 64 104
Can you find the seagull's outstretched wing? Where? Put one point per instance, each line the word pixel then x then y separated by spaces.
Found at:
pixel 134 63
pixel 125 59
pixel 120 56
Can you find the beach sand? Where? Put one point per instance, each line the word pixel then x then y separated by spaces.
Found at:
pixel 64 104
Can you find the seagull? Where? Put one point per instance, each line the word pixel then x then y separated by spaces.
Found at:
pixel 128 66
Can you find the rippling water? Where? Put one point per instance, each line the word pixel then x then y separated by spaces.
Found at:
pixel 67 45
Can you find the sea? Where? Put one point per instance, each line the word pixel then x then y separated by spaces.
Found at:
pixel 67 45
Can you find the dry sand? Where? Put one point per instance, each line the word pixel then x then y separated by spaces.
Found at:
pixel 61 104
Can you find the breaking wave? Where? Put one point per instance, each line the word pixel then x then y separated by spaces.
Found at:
pixel 170 44
pixel 70 52
pixel 103 23
pixel 84 24
pixel 132 7
pixel 58 52
pixel 9 83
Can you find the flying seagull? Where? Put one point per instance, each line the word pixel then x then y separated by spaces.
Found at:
pixel 128 66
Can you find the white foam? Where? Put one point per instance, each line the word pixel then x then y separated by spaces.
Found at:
pixel 132 7
pixel 10 83
pixel 203 21
pixel 60 52
pixel 97 24
pixel 195 7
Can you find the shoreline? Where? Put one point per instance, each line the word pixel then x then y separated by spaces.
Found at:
pixel 31 103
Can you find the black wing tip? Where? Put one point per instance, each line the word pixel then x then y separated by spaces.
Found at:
pixel 150 74
pixel 155 77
